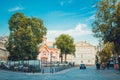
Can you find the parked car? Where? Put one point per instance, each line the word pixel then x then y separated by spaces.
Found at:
pixel 82 66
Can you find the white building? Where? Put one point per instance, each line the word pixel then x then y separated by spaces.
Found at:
pixel 85 53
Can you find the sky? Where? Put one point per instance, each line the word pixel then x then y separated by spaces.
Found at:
pixel 73 17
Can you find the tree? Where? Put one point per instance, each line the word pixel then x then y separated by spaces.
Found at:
pixel 107 22
pixel 25 35
pixel 115 31
pixel 106 52
pixel 104 19
pixel 66 44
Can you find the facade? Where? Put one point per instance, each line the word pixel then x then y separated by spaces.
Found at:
pixel 3 52
pixel 85 53
pixel 48 52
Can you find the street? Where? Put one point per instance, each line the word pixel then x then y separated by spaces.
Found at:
pixel 71 74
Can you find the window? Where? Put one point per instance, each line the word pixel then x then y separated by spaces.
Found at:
pixel 81 55
pixel 81 61
pixel 88 61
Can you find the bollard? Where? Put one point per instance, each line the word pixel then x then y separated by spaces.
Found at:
pixel 52 71
pixel 55 70
pixel 43 71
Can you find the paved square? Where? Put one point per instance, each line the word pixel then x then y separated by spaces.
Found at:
pixel 71 74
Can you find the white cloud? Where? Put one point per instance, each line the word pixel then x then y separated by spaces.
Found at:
pixel 59 14
pixel 15 9
pixel 94 5
pixel 63 2
pixel 92 12
pixel 83 8
pixel 79 30
pixel 91 18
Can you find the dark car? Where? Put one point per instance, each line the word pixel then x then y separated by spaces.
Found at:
pixel 82 66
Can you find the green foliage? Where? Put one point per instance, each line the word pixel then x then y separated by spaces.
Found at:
pixel 105 17
pixel 107 22
pixel 107 52
pixel 25 35
pixel 97 59
pixel 66 44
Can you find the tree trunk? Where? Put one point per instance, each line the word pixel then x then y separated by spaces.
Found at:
pixel 61 58
pixel 65 57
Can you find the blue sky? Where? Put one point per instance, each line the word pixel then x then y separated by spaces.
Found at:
pixel 73 17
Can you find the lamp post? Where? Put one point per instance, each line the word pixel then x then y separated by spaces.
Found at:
pixel 119 61
pixel 51 70
pixel 50 61
pixel 26 64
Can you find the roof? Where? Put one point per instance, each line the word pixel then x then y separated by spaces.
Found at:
pixel 83 44
pixel 48 48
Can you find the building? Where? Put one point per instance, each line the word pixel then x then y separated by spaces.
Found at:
pixel 85 53
pixel 48 52
pixel 3 52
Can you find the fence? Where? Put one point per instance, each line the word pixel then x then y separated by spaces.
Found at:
pixel 22 65
pixel 35 66
pixel 53 67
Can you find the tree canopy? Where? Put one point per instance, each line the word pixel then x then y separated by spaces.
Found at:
pixel 107 52
pixel 66 44
pixel 107 22
pixel 25 34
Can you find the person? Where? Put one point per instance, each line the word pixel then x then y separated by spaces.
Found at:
pixel 73 64
pixel 108 65
pixel 103 65
pixel 98 66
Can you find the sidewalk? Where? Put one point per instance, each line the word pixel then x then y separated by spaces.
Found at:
pixel 31 73
pixel 114 71
pixel 117 71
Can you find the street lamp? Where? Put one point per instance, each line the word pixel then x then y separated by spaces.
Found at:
pixel 50 61
pixel 51 70
pixel 119 61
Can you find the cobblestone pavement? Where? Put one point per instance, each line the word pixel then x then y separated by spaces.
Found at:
pixel 71 74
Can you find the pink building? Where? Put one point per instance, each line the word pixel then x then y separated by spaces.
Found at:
pixel 48 52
